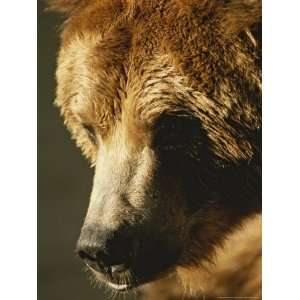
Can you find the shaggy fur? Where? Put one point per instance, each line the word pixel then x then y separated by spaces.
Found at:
pixel 164 98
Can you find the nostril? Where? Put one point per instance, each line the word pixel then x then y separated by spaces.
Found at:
pixel 85 256
pixel 90 260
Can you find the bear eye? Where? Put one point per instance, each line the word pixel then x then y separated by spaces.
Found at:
pixel 91 132
pixel 174 133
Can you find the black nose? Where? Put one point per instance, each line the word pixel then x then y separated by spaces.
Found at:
pixel 108 252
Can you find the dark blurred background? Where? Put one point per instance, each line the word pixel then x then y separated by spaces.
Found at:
pixel 64 183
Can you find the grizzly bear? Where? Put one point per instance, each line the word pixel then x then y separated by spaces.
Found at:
pixel 164 99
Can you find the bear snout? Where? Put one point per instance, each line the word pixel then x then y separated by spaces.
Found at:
pixel 107 251
pixel 125 257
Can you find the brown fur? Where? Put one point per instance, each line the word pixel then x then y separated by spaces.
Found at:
pixel 125 65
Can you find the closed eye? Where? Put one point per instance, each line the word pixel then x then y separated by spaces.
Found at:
pixel 91 132
pixel 175 133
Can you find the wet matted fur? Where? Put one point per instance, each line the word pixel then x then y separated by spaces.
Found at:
pixel 164 99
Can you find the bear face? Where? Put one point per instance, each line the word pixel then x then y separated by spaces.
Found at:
pixel 164 99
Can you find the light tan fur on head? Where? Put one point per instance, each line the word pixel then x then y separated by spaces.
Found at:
pixel 164 99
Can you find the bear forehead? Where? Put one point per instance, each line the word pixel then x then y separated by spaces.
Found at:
pixel 115 50
pixel 123 67
pixel 99 77
pixel 145 60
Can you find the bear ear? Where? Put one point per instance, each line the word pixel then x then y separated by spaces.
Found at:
pixel 64 6
pixel 240 15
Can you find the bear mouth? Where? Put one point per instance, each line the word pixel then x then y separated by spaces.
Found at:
pixel 133 280
pixel 120 287
pixel 148 266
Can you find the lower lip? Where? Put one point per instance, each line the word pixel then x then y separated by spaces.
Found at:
pixel 126 287
pixel 119 287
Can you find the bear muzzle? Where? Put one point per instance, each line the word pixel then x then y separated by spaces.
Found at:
pixel 126 258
